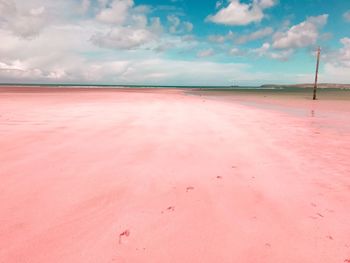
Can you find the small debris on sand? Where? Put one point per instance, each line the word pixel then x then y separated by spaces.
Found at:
pixel 126 233
pixel 190 188
pixel 320 215
pixel 171 208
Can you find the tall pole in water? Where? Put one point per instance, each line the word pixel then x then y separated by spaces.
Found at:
pixel 316 76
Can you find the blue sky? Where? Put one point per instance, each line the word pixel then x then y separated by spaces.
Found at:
pixel 173 42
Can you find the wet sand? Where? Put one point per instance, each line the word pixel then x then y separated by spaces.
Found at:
pixel 173 176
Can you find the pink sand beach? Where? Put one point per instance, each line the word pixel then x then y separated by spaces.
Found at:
pixel 135 176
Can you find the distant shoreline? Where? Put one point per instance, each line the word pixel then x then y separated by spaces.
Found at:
pixel 108 86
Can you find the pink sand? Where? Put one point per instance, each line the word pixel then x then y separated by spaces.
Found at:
pixel 165 176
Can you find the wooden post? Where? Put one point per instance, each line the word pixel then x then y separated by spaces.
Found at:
pixel 316 76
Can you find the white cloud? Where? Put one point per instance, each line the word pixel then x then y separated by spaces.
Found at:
pixel 116 12
pixel 88 41
pixel 14 65
pixel 156 25
pixel 237 13
pixel 265 3
pixel 284 44
pixel 302 35
pixel 189 72
pixel 23 22
pixel 123 38
pixel 175 10
pixel 242 39
pixel 188 26
pixel 54 54
pixel 344 52
pixel 174 23
pixel 219 4
pixel 64 53
pixel 337 64
pixel 255 35
pixel 221 38
pixel 266 51
pixel 261 51
pixel 340 57
pixel 236 52
pixel 150 71
pixel 206 53
pixel 58 39
pixel 282 55
pixel 346 16
pixel 335 74
pixel 37 11
pixel 181 44
pixel 130 27
pixel 176 26
pixel 15 70
pixel 85 5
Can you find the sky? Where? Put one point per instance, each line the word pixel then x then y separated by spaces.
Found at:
pixel 173 42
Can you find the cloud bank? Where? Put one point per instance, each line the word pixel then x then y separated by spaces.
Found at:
pixel 121 42
pixel 237 13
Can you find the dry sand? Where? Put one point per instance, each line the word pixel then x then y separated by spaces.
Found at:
pixel 171 176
